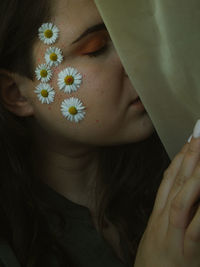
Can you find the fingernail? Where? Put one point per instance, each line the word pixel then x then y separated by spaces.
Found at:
pixel 196 131
pixel 190 138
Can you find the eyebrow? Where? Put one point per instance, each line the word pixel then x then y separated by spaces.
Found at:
pixel 95 28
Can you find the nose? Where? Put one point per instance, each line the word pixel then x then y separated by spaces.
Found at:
pixel 125 73
pixel 123 69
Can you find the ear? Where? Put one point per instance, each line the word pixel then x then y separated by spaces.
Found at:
pixel 12 94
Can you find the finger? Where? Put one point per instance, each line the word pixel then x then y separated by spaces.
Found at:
pixel 192 234
pixel 168 180
pixel 187 166
pixel 192 237
pixel 182 207
pixel 178 171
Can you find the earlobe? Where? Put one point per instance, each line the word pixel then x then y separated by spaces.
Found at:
pixel 11 97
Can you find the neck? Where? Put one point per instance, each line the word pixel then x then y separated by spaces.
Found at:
pixel 70 169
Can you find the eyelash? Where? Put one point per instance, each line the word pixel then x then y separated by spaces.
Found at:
pixel 98 52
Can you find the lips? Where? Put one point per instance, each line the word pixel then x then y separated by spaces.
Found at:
pixel 137 104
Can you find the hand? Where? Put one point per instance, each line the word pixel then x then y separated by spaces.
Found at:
pixel 172 237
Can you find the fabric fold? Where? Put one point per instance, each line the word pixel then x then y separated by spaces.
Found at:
pixel 158 43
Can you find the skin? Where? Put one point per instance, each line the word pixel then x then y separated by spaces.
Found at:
pixel 69 148
pixel 173 228
pixel 65 153
pixel 106 90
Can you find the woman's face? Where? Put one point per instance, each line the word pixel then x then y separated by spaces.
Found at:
pixel 111 117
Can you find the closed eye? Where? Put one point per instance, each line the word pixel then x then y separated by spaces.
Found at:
pixel 98 52
pixel 96 45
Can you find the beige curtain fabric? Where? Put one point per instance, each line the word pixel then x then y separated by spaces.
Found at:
pixel 159 44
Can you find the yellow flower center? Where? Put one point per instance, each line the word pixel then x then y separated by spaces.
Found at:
pixel 43 73
pixel 44 93
pixel 69 80
pixel 53 57
pixel 73 111
pixel 48 33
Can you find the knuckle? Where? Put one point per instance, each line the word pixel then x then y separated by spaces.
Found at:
pixel 177 205
pixel 192 151
pixel 180 180
pixel 176 214
pixel 190 156
pixel 172 169
pixel 180 155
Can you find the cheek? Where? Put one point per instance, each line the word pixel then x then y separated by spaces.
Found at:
pixel 102 87
pixel 99 91
pixel 39 54
pixel 56 71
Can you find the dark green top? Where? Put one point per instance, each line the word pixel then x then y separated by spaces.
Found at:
pixel 85 245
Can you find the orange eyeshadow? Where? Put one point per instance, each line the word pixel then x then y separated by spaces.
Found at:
pixel 93 43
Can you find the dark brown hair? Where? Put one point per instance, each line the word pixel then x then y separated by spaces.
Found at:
pixel 131 173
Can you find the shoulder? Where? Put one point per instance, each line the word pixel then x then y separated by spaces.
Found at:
pixel 7 256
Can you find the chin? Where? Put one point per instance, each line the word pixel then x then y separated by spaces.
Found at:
pixel 130 139
pixel 144 136
pixel 139 132
pixel 140 138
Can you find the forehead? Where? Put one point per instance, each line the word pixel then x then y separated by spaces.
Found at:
pixel 74 16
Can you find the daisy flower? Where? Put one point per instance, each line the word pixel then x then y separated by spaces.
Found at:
pixel 45 93
pixel 53 56
pixel 48 33
pixel 43 73
pixel 69 80
pixel 72 109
